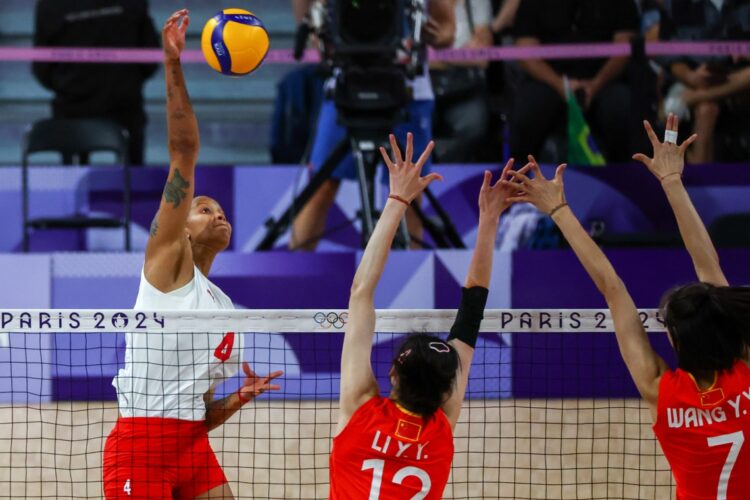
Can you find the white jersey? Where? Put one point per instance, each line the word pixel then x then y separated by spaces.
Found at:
pixel 167 374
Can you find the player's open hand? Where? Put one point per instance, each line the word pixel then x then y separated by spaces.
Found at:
pixel 669 158
pixel 544 194
pixel 173 34
pixel 255 385
pixel 495 199
pixel 405 175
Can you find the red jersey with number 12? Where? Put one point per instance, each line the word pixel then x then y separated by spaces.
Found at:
pixel 386 452
pixel 705 435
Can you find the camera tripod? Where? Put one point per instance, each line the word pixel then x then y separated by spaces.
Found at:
pixel 364 137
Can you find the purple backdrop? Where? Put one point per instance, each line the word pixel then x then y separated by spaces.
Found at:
pixel 589 364
pixel 625 197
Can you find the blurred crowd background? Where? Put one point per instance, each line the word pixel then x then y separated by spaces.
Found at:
pixel 478 111
pixel 483 112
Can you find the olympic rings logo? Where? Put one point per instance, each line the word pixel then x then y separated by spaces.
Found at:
pixel 331 319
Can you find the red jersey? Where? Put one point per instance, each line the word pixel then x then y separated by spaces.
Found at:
pixel 386 452
pixel 705 435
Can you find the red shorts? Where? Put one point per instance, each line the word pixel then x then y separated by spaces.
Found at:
pixel 159 458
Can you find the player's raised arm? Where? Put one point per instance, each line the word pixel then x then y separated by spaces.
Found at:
pixel 493 200
pixel 358 382
pixel 667 165
pixel 165 267
pixel 644 364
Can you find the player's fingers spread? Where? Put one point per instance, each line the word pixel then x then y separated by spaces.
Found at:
pixel 687 142
pixel 386 158
pixel 521 178
pixel 395 149
pixel 431 177
pixel 275 374
pixel 534 167
pixel 425 155
pixel 525 169
pixel 651 134
pixel 513 187
pixel 507 168
pixel 560 171
pixel 409 147
pixel 537 171
pixel 520 187
pixel 499 180
pixel 274 387
pixel 642 158
pixel 486 180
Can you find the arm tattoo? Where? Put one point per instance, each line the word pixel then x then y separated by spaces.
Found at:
pixel 219 411
pixel 174 191
pixel 154 226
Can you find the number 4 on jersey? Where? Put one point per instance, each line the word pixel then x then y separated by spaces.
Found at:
pixel 126 488
pixel 224 350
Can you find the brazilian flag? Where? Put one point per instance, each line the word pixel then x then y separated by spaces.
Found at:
pixel 582 149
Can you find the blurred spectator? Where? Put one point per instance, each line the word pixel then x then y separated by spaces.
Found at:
pixel 461 110
pixel 708 87
pixel 506 16
pixel 539 104
pixel 438 31
pixel 110 91
pixel 651 12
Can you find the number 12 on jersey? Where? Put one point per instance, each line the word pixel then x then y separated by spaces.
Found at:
pixel 378 466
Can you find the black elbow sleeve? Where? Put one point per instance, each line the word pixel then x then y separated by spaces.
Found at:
pixel 470 315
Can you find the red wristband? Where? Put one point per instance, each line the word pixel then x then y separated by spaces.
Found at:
pixel 398 198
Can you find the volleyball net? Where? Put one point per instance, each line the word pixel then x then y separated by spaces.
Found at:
pixel 550 411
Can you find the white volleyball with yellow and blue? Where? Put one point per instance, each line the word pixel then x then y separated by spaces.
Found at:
pixel 234 42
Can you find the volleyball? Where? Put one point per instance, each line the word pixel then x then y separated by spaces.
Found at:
pixel 234 42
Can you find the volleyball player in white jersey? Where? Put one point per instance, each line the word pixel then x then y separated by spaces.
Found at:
pixel 159 447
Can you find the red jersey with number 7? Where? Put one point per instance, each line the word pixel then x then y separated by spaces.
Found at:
pixel 705 434
pixel 386 452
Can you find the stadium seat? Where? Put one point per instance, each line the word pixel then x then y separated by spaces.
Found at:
pixel 75 140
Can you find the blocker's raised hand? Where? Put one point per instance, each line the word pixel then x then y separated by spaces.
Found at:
pixel 544 194
pixel 494 199
pixel 405 175
pixel 669 158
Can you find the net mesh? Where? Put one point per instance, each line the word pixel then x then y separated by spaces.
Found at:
pixel 547 414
